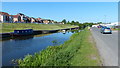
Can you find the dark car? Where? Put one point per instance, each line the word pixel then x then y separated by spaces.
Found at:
pixel 106 30
pixel 98 26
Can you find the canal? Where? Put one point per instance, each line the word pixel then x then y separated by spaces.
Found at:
pixel 18 48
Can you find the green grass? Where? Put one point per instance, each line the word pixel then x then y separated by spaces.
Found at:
pixel 80 50
pixel 10 27
pixel 117 29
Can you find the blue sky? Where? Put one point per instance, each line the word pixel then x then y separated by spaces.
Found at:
pixel 60 0
pixel 77 11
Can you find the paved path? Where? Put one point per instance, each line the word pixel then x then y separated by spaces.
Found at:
pixel 107 45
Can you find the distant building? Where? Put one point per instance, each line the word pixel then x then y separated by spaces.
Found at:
pixel 5 18
pixel 38 20
pixel 10 19
pixel 52 21
pixel 112 25
pixel 46 21
pixel 21 18
pixel 16 18
pixel 32 20
pixel 24 18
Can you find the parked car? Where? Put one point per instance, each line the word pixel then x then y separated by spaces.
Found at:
pixel 98 26
pixel 106 30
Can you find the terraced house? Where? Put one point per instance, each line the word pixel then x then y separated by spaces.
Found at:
pixel 32 20
pixel 16 18
pixel 22 18
pixel 39 20
pixel 46 21
pixel 5 17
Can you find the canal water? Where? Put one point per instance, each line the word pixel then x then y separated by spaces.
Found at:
pixel 18 48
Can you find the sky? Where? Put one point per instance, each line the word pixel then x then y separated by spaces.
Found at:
pixel 60 0
pixel 77 11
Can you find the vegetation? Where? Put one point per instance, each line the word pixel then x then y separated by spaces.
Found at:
pixel 81 25
pixel 99 23
pixel 78 51
pixel 10 27
pixel 64 21
pixel 117 29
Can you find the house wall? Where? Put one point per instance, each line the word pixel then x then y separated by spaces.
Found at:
pixel 1 18
pixel 15 19
pixel 5 18
pixel 19 18
pixel 32 20
pixel 10 19
pixel 46 21
pixel 22 19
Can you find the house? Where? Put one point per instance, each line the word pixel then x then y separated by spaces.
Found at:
pixel 21 18
pixel 4 17
pixel 46 21
pixel 32 20
pixel 24 18
pixel 38 20
pixel 16 18
pixel 10 19
pixel 52 21
pixel 28 20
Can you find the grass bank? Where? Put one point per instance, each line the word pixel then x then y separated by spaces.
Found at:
pixel 80 50
pixel 117 29
pixel 10 27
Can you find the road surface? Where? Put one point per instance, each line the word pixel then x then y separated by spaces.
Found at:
pixel 107 45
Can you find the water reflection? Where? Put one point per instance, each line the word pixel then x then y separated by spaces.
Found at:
pixel 23 37
pixel 73 31
pixel 19 47
pixel 17 38
pixel 31 36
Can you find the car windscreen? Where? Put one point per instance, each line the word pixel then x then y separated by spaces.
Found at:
pixel 107 28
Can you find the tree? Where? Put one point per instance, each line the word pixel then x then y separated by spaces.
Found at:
pixel 68 22
pixel 81 26
pixel 77 23
pixel 99 22
pixel 64 21
pixel 55 21
pixel 72 23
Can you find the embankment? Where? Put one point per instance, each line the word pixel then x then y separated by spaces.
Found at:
pixel 10 27
pixel 78 51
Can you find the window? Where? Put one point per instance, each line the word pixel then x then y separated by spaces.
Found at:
pixel 17 31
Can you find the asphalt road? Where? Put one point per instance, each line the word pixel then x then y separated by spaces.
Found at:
pixel 107 45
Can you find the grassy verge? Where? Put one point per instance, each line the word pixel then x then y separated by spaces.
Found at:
pixel 117 29
pixel 10 27
pixel 80 50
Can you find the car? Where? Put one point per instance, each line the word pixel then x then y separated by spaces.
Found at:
pixel 98 26
pixel 106 30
